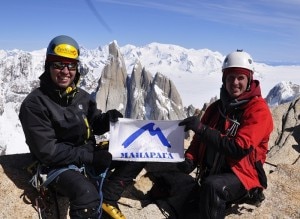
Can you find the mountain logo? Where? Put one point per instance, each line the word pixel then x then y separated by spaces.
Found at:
pixel 150 128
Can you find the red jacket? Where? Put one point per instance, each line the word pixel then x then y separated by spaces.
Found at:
pixel 247 148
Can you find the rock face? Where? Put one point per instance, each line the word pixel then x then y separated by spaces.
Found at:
pixel 139 96
pixel 286 135
pixel 112 92
pixel 139 88
pixel 17 197
pixel 164 101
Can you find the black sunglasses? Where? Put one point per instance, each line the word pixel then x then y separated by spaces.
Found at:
pixel 60 65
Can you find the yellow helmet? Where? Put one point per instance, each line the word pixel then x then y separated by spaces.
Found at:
pixel 63 46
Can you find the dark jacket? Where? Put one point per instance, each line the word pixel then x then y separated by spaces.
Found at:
pixel 59 127
pixel 244 151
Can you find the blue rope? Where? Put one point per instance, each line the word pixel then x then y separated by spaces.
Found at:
pixel 100 180
pixel 54 173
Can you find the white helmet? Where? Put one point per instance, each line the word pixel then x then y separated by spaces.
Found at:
pixel 238 59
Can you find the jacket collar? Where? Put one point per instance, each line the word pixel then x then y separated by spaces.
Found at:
pixel 229 103
pixel 62 97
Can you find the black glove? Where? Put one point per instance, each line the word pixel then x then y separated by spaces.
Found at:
pixel 101 160
pixel 113 115
pixel 186 166
pixel 192 123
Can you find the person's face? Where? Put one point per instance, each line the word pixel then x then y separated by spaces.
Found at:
pixel 63 73
pixel 236 84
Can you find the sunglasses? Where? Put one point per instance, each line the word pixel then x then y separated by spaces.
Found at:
pixel 60 65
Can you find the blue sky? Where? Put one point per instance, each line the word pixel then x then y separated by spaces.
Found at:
pixel 268 29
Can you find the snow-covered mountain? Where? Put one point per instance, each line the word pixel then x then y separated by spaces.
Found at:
pixel 283 92
pixel 195 73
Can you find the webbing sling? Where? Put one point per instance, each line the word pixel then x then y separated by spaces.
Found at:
pixel 48 178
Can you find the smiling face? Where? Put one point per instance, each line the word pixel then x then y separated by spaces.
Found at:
pixel 62 75
pixel 236 84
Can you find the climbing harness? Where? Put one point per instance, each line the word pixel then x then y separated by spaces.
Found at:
pixel 40 182
pixel 40 179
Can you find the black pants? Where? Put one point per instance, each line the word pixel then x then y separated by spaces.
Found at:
pixel 123 174
pixel 216 191
pixel 82 193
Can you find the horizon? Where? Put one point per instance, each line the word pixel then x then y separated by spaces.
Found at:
pixel 271 63
pixel 269 32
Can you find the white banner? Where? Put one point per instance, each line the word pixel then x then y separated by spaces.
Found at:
pixel 147 140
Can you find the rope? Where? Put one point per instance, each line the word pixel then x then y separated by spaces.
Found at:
pixel 48 178
pixel 100 180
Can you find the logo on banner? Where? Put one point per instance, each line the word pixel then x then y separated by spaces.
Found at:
pixel 153 132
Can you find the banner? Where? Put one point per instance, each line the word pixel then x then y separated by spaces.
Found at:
pixel 147 140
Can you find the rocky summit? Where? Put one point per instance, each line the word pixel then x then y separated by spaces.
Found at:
pixel 18 199
pixel 140 96
pixel 143 96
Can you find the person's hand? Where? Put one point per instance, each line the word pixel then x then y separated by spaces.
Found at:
pixel 101 160
pixel 113 115
pixel 186 166
pixel 192 123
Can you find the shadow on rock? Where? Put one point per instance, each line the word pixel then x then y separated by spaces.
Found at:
pixel 15 168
